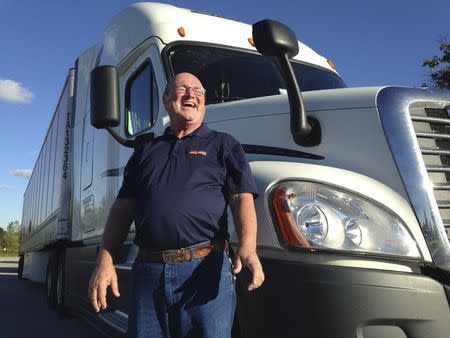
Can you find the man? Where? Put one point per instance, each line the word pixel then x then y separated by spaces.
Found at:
pixel 176 189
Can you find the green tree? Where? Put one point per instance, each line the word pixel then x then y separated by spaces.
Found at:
pixel 2 239
pixel 11 238
pixel 440 66
pixel 13 227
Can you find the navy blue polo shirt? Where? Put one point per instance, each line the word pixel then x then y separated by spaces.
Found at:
pixel 182 187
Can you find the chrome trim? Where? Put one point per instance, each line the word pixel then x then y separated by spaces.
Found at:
pixel 443 204
pixel 433 135
pixel 353 263
pixel 123 266
pixel 441 186
pixel 393 105
pixel 438 168
pixel 117 319
pixel 428 119
pixel 429 151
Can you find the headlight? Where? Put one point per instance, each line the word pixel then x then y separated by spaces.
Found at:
pixel 316 216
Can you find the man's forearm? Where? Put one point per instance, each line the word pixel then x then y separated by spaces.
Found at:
pixel 244 216
pixel 116 229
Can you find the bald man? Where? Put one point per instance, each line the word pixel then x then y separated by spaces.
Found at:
pixel 177 189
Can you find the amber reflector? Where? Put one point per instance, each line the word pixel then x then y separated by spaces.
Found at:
pixel 181 32
pixel 250 40
pixel 288 228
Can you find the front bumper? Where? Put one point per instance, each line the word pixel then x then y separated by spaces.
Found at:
pixel 316 300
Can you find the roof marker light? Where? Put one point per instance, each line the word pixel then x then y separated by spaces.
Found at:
pixel 181 32
pixel 331 63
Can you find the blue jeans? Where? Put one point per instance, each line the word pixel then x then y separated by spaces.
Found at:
pixel 192 299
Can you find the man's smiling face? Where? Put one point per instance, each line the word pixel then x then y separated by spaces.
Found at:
pixel 185 101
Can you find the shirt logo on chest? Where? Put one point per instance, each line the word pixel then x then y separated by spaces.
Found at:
pixel 198 152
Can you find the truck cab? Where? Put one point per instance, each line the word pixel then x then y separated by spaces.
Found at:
pixel 351 227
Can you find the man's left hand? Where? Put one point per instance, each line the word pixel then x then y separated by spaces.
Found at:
pixel 248 258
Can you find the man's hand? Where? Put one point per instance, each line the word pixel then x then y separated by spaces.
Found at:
pixel 103 276
pixel 249 259
pixel 244 216
pixel 116 230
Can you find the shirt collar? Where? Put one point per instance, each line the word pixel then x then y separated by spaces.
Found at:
pixel 203 131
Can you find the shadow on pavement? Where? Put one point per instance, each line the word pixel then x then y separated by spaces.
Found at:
pixel 25 312
pixel 8 270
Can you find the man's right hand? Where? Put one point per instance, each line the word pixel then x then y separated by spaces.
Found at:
pixel 103 276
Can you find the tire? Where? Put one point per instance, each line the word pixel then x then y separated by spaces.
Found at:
pixel 50 283
pixel 235 330
pixel 20 268
pixel 60 285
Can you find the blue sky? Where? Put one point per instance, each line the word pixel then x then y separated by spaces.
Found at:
pixel 372 43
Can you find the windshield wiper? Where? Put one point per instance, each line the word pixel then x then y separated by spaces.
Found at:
pixel 212 100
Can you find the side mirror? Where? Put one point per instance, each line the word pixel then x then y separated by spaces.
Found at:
pixel 273 39
pixel 105 106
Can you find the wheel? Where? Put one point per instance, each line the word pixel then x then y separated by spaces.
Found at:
pixel 20 268
pixel 50 283
pixel 235 330
pixel 60 284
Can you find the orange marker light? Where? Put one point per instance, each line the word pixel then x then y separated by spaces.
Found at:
pixel 250 40
pixel 181 32
pixel 286 222
pixel 331 63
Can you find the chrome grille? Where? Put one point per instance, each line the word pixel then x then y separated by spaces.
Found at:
pixel 394 106
pixel 432 128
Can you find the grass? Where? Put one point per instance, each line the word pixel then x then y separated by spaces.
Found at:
pixel 9 253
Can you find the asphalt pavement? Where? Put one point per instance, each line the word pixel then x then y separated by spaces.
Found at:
pixel 24 312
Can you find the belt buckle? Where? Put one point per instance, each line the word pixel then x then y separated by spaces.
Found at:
pixel 173 256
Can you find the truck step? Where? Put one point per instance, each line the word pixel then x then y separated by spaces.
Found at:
pixel 116 319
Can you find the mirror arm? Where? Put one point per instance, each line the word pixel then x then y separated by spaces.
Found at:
pixel 299 123
pixel 273 39
pixel 305 130
pixel 118 138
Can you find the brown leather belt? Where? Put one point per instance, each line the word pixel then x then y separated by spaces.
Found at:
pixel 182 255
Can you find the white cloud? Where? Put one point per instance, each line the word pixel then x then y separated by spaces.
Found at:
pixel 13 92
pixel 5 187
pixel 21 172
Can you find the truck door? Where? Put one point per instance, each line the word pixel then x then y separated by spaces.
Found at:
pixel 141 80
pixel 88 147
pixel 87 207
pixel 142 86
pixel 141 100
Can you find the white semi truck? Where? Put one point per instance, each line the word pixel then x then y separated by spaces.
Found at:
pixel 354 182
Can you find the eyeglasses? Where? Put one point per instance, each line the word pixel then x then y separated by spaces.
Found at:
pixel 198 91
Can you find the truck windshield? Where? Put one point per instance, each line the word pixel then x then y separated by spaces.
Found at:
pixel 230 75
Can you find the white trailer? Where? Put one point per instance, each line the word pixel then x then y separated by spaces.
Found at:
pixel 354 204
